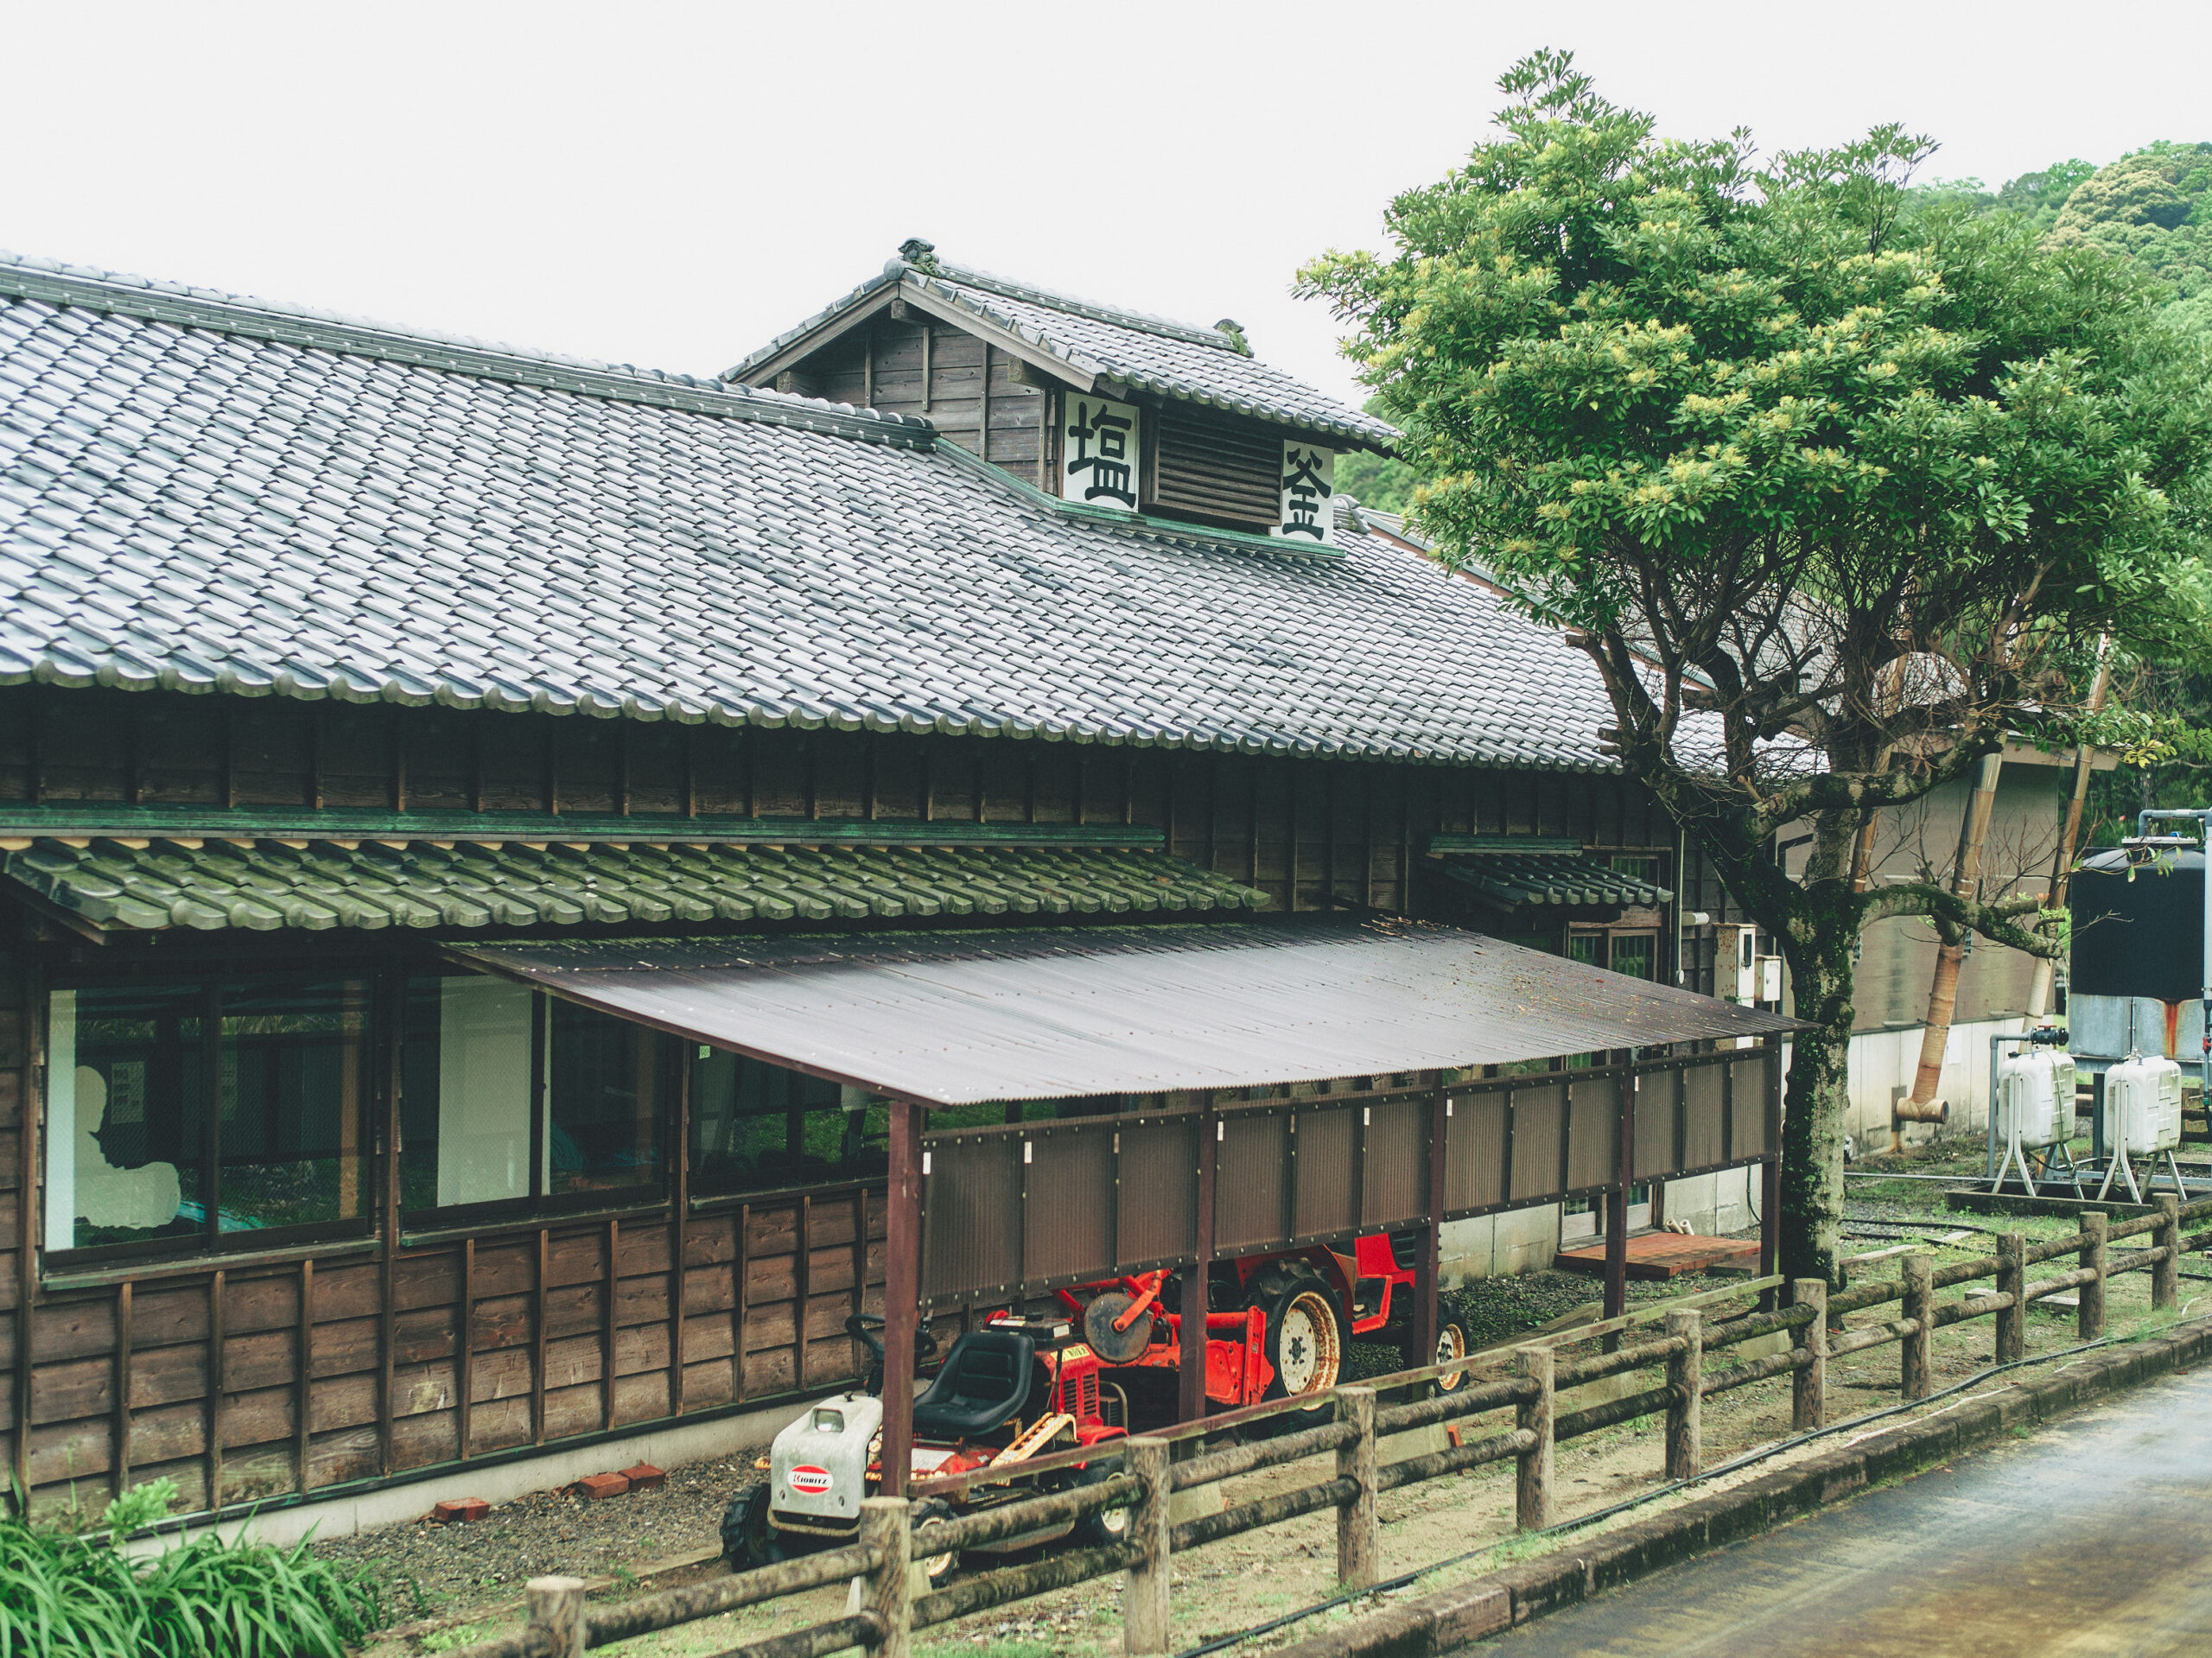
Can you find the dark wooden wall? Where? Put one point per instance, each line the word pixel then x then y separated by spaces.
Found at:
pixel 355 1365
pixel 962 385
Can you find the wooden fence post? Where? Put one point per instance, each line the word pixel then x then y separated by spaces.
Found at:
pixel 1686 1411
pixel 2166 1276
pixel 1808 1384
pixel 2090 1322
pixel 1357 1541
pixel 1532 1490
pixel 556 1611
pixel 1144 1590
pixel 1919 1307
pixel 890 1593
pixel 2011 1278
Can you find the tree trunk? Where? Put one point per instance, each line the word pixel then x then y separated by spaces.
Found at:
pixel 1816 1105
pixel 1943 988
pixel 2062 862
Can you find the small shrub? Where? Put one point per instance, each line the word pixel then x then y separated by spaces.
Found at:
pixel 65 1588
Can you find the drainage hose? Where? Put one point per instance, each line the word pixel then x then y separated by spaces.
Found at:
pixel 1222 1642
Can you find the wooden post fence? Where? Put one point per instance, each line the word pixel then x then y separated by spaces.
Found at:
pixel 1144 1593
pixel 2090 1323
pixel 2165 1274
pixel 1686 1380
pixel 1808 1385
pixel 1917 1273
pixel 2012 1282
pixel 1532 1489
pixel 1357 1544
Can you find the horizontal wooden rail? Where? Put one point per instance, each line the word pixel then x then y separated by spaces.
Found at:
pixel 838 1634
pixel 1262 1511
pixel 1019 1582
pixel 1857 1299
pixel 607 1624
pixel 1742 1375
pixel 1232 1460
pixel 1003 1520
pixel 1446 1407
pixel 1602 1365
pixel 1436 1464
pixel 1750 1329
pixel 1857 1341
pixel 1612 1412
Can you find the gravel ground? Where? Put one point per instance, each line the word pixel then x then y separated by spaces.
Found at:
pixel 430 1571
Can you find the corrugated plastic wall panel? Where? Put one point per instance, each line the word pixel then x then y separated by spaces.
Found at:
pixel 1539 1126
pixel 971 1217
pixel 1704 1143
pixel 1474 1143
pixel 1328 1192
pixel 1750 1077
pixel 1157 1199
pixel 1658 1123
pixel 1395 1167
pixel 1592 1131
pixel 1251 1176
pixel 1070 1228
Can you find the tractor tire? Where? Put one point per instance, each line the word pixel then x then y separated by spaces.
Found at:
pixel 749 1542
pixel 937 1568
pixel 1305 1337
pixel 1102 1528
pixel 1451 1343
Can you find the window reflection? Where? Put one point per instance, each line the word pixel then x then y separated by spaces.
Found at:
pixel 757 1127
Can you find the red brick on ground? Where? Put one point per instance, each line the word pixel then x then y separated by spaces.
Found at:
pixel 1662 1254
pixel 594 1487
pixel 643 1477
pixel 460 1509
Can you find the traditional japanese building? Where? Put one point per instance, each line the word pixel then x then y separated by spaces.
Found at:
pixel 435 777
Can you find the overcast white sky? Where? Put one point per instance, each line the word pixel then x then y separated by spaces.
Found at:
pixel 670 185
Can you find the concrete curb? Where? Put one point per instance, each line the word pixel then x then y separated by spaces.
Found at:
pixel 1449 1621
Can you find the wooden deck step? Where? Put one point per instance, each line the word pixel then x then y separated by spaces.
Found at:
pixel 1662 1254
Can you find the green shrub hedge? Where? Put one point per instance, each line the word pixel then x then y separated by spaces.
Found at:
pixel 65 1589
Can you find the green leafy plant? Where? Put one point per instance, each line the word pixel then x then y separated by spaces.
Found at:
pixel 66 1587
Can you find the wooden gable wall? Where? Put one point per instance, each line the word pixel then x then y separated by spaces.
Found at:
pixel 964 386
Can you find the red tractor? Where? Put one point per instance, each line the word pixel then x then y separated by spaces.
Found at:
pixel 1276 1325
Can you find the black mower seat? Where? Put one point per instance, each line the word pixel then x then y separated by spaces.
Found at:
pixel 985 1381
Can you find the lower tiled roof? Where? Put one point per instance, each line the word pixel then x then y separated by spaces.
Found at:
pixel 1552 878
pixel 262 885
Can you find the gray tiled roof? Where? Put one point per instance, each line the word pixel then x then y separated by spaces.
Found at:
pixel 1146 354
pixel 257 501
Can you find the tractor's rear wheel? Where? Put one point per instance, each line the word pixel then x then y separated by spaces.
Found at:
pixel 1450 1344
pixel 749 1540
pixel 927 1515
pixel 1101 1528
pixel 1305 1341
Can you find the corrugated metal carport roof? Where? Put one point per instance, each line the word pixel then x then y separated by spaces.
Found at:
pixel 960 1018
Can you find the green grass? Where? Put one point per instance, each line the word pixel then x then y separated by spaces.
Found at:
pixel 65 1589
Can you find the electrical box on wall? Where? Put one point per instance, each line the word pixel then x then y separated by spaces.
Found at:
pixel 1770 978
pixel 1735 963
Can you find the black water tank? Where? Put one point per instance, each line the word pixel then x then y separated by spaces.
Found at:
pixel 2144 937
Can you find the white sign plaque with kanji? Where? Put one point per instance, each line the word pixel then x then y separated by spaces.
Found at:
pixel 1309 479
pixel 1098 454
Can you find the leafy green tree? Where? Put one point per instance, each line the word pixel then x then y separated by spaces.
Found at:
pixel 1832 491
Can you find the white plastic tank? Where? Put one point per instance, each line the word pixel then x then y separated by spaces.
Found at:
pixel 2143 1105
pixel 2036 1090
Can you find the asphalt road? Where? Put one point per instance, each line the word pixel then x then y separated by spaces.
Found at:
pixel 2091 1539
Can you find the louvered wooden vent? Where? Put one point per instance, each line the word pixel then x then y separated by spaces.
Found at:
pixel 1217 469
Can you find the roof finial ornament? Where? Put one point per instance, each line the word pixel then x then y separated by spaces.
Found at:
pixel 1235 330
pixel 920 254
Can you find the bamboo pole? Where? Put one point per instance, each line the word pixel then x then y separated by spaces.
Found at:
pixel 1943 986
pixel 2062 862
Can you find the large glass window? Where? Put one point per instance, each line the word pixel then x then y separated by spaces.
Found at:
pixel 507 1095
pixel 132 1157
pixel 757 1127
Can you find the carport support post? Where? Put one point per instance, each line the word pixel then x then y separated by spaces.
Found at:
pixel 1616 1199
pixel 1427 1319
pixel 902 1292
pixel 1191 1404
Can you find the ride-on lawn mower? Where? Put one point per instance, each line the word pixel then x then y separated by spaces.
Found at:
pixel 1013 1390
pixel 1276 1325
